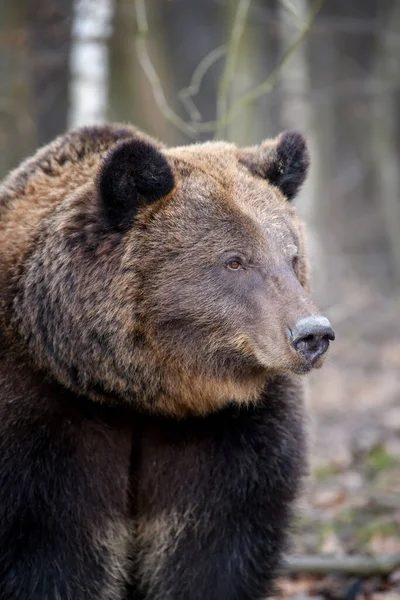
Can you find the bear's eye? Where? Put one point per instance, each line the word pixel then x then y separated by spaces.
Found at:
pixel 234 264
pixel 295 263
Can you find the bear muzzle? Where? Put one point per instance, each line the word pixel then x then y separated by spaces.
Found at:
pixel 310 337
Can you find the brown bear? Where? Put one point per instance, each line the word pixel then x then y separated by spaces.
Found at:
pixel 155 321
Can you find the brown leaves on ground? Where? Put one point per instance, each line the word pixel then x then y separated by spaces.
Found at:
pixel 352 502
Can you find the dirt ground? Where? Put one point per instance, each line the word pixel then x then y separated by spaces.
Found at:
pixel 351 505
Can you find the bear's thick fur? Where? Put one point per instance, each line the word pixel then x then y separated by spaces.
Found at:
pixel 151 429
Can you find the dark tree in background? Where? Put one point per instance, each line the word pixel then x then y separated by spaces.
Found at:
pixel 17 127
pixel 49 28
pixel 35 42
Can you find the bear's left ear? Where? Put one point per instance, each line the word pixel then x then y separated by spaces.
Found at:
pixel 283 161
pixel 134 174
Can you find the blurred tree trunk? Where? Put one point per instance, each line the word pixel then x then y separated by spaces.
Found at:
pixel 257 58
pixel 295 88
pixel 269 121
pixel 352 223
pixel 194 29
pixel 49 27
pixel 35 38
pixel 297 113
pixel 243 77
pixel 17 129
pixel 385 133
pixel 130 96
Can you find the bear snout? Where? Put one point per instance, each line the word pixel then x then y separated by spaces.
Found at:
pixel 310 337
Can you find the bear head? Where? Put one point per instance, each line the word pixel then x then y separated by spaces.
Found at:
pixel 175 280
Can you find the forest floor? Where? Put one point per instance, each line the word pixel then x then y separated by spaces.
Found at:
pixel 351 503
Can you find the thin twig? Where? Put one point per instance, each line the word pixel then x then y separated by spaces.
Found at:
pixel 230 63
pixel 267 85
pixel 186 94
pixel 193 128
pixel 151 74
pixel 290 8
pixel 354 565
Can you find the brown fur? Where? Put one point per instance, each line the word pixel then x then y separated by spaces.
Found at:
pixel 156 537
pixel 131 348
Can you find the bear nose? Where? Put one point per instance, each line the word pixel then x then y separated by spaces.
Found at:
pixel 310 337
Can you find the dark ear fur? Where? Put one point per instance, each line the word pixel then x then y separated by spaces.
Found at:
pixel 289 170
pixel 284 162
pixel 133 173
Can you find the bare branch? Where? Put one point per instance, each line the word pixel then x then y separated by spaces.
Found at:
pixel 288 5
pixel 230 64
pixel 269 84
pixel 354 565
pixel 225 116
pixel 151 74
pixel 186 94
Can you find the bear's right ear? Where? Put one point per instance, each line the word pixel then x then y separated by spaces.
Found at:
pixel 134 173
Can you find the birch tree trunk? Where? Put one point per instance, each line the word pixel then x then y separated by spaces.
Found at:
pixel 89 61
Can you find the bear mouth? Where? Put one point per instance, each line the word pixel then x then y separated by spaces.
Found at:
pixel 305 366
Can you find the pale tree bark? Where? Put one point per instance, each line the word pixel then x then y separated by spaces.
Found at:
pixel 89 61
